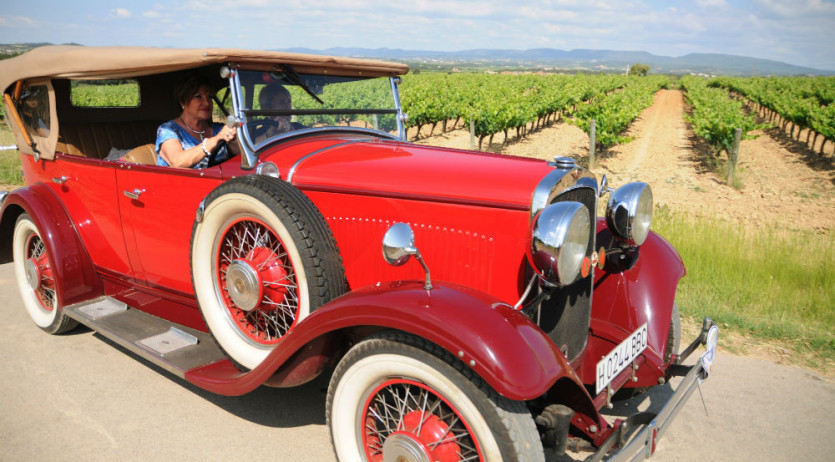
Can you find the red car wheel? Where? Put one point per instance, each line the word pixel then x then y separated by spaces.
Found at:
pixel 258 281
pixel 262 259
pixel 404 418
pixel 397 397
pixel 36 278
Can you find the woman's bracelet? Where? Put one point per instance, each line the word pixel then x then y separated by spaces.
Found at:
pixel 204 148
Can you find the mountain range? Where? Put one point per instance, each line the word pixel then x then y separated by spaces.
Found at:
pixel 550 59
pixel 578 60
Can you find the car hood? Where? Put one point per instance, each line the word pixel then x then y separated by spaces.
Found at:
pixel 404 170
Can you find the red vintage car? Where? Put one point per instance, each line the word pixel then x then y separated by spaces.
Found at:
pixel 521 315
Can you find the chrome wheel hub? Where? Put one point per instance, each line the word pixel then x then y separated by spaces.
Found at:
pixel 244 285
pixel 33 274
pixel 400 447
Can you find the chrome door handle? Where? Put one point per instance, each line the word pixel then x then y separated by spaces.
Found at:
pixel 134 194
pixel 60 180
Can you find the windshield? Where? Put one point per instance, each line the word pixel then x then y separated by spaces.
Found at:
pixel 283 102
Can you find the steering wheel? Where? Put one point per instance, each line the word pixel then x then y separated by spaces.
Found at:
pixel 213 155
pixel 260 127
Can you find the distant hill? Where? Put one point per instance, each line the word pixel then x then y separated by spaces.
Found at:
pixel 580 60
pixel 609 61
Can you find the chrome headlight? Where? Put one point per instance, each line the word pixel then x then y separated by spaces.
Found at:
pixel 559 239
pixel 629 213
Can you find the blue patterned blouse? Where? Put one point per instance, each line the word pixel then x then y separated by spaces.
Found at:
pixel 171 129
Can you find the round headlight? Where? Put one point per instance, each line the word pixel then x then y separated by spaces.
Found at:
pixel 559 239
pixel 629 213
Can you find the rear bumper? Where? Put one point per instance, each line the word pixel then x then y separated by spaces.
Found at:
pixel 637 436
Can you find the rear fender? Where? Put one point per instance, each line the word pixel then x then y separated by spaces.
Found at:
pixel 75 277
pixel 499 343
pixel 624 301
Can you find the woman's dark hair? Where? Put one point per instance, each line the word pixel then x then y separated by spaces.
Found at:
pixel 188 87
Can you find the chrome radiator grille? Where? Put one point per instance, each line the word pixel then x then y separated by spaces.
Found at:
pixel 565 317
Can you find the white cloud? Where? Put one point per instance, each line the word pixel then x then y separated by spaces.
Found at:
pixel 151 14
pixel 120 13
pixel 11 21
pixel 712 4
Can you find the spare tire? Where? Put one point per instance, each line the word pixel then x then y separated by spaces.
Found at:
pixel 262 259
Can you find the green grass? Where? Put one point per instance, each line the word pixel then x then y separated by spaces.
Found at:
pixel 9 160
pixel 772 284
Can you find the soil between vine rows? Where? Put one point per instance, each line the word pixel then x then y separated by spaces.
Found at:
pixel 784 184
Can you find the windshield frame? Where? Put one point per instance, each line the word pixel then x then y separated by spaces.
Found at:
pixel 241 113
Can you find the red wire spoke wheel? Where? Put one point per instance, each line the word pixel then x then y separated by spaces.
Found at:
pixel 258 281
pixel 36 278
pixel 404 419
pixel 262 259
pixel 395 396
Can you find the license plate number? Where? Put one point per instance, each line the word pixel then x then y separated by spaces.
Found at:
pixel 621 357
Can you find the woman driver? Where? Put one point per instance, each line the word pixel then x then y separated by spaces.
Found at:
pixel 186 141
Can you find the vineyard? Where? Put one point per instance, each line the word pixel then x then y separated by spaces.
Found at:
pixel 803 102
pixel 502 103
pixel 522 103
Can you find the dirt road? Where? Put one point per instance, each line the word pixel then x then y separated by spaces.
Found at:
pixel 78 397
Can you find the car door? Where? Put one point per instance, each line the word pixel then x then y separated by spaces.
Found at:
pixel 158 206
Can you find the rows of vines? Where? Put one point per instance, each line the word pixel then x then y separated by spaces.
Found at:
pixel 714 115
pixel 803 102
pixel 498 103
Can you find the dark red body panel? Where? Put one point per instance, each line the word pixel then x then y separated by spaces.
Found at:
pixel 624 301
pixel 75 277
pixel 500 344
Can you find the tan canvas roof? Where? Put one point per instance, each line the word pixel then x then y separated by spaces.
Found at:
pixel 70 61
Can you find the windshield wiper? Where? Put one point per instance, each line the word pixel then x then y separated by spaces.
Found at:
pixel 294 78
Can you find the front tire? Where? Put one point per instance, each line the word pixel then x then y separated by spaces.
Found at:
pixel 262 259
pixel 397 397
pixel 33 267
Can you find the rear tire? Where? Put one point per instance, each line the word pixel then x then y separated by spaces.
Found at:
pixel 395 396
pixel 33 268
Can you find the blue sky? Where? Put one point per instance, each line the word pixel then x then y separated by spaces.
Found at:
pixel 797 32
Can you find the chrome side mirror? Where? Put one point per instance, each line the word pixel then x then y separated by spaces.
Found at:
pixel 399 246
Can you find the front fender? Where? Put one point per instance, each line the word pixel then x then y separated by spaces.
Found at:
pixel 499 343
pixel 624 301
pixel 75 277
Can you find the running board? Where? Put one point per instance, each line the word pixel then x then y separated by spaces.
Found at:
pixel 171 346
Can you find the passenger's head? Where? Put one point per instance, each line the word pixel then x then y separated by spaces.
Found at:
pixel 275 97
pixel 31 98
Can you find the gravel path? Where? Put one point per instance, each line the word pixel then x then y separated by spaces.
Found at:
pixel 79 397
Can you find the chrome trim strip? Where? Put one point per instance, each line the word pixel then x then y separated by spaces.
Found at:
pixel 308 156
pixel 3 195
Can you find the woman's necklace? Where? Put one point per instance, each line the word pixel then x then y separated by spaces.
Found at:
pixel 198 132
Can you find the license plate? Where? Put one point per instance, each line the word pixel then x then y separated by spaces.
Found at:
pixel 621 357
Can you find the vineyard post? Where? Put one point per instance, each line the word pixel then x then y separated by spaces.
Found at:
pixel 592 142
pixel 472 135
pixel 734 155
